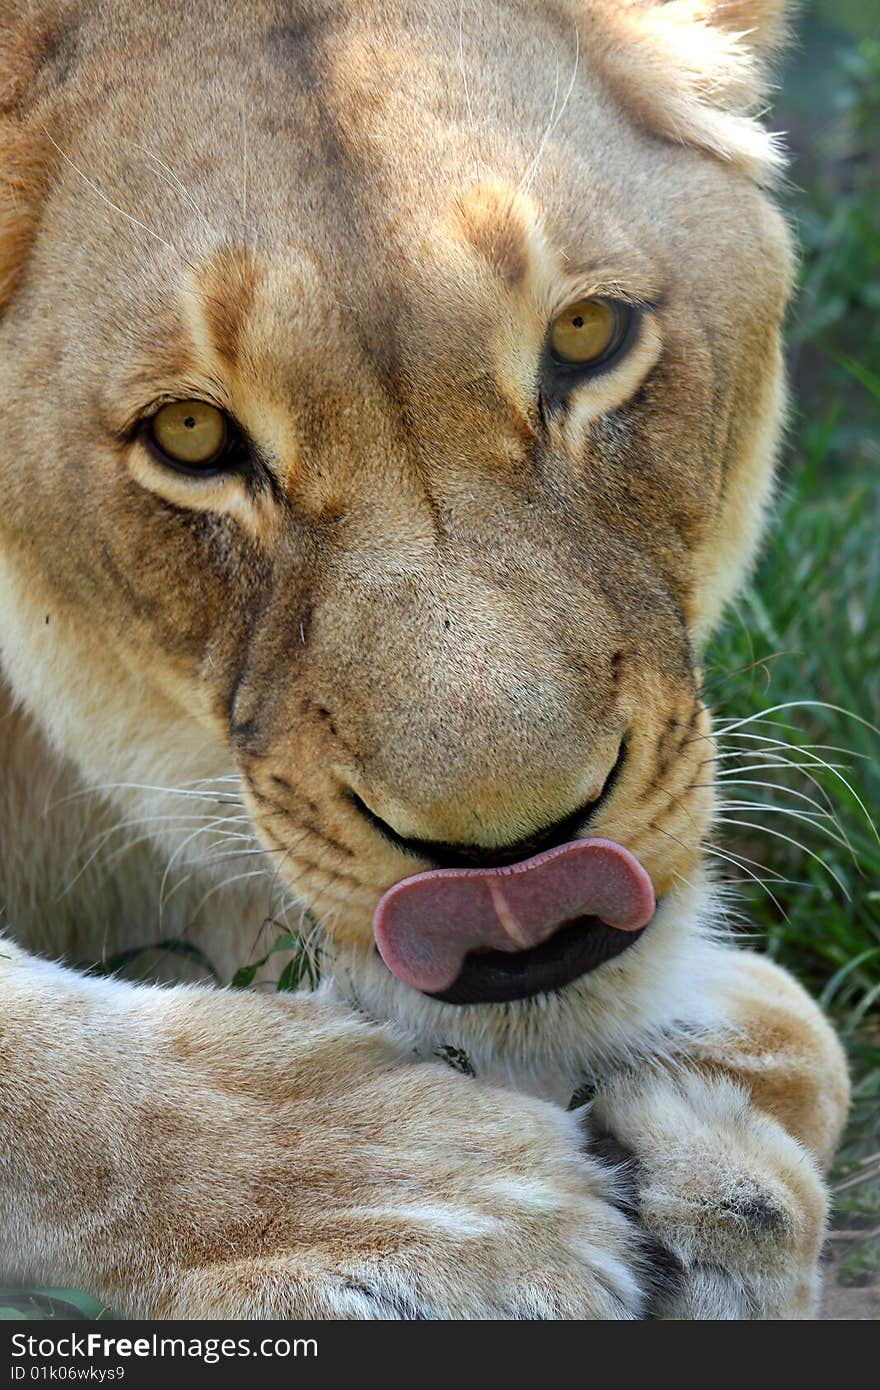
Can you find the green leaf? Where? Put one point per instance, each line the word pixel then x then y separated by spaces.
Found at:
pixel 300 968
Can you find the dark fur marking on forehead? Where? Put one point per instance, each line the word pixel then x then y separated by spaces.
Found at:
pixel 298 41
pixel 227 286
pixel 38 56
pixel 61 53
pixel 335 157
pixel 492 224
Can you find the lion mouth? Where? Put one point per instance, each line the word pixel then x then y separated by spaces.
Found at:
pixel 470 936
pixel 493 977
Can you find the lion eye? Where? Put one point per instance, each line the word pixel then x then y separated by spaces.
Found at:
pixel 191 433
pixel 588 332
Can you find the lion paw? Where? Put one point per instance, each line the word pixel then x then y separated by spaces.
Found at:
pixel 467 1203
pixel 734 1204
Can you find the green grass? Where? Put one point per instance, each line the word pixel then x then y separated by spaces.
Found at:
pixel 808 628
pixel 807 636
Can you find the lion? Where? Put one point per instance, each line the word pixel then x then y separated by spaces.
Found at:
pixel 391 398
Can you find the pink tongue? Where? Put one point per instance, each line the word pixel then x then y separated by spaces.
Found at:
pixel 425 925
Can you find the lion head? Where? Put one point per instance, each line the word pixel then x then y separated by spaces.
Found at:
pixel 390 399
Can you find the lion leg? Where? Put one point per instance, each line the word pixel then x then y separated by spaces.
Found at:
pixel 194 1152
pixel 726 1154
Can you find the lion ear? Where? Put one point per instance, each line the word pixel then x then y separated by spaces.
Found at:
pixel 29 38
pixel 696 71
pixel 764 24
pixel 738 38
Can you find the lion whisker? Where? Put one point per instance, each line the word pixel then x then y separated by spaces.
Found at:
pixel 809 752
pixel 214 798
pixel 773 875
pixel 806 748
pixel 769 786
pixel 819 813
pixel 130 844
pixel 226 883
pixel 532 169
pixel 802 704
pixel 101 839
pixel 714 852
pixel 811 817
pixel 134 221
pixel 177 852
pixel 461 63
pixel 798 844
pixel 173 181
pixel 777 761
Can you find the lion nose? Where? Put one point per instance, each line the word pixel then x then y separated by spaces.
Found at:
pixel 443 855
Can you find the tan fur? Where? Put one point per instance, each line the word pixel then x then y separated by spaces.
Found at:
pixel 350 227
pixel 692 70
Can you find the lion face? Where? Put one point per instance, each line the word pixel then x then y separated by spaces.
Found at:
pixel 390 412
